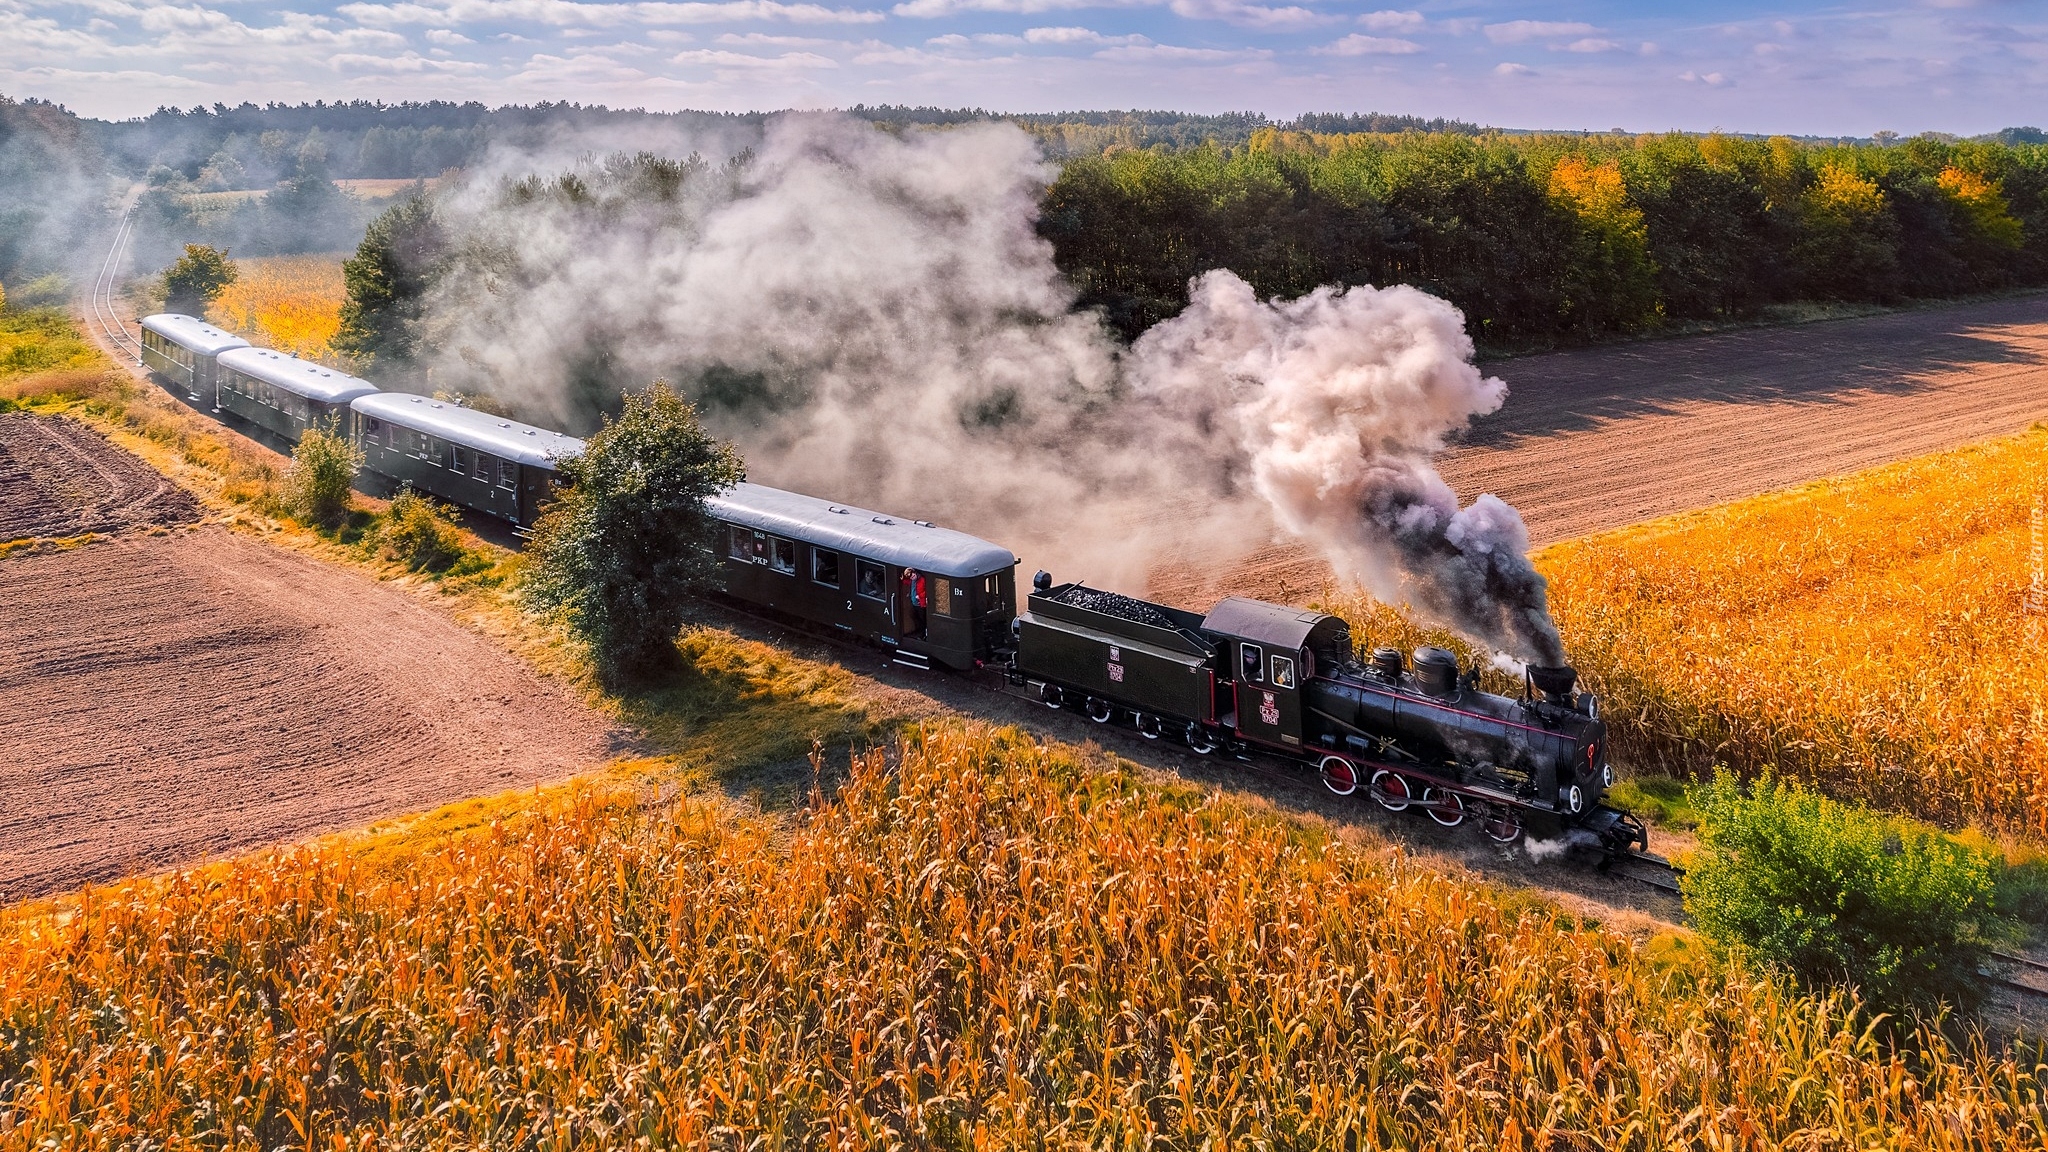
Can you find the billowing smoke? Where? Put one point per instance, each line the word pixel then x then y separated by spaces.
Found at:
pixel 874 318
pixel 1332 406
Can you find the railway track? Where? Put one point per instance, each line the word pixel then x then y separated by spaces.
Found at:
pixel 100 313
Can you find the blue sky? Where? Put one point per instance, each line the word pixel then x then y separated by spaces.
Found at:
pixel 1963 66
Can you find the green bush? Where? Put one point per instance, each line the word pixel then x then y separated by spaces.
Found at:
pixel 316 483
pixel 196 279
pixel 624 549
pixel 1837 894
pixel 421 534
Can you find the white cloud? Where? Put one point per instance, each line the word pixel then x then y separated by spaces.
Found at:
pixel 447 36
pixel 1710 79
pixel 1357 45
pixel 1521 31
pixel 1249 15
pixel 1239 12
pixel 405 64
pixel 1389 20
pixel 1176 52
pixel 936 8
pixel 714 58
pixel 582 13
pixel 1078 36
pixel 1593 44
pixel 1513 70
pixel 773 41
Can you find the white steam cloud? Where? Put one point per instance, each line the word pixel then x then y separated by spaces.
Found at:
pixel 874 318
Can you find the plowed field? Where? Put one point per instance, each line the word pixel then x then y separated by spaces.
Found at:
pixel 1597 439
pixel 173 696
pixel 58 478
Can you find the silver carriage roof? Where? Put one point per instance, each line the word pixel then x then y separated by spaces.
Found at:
pixel 522 443
pixel 890 539
pixel 192 333
pixel 303 377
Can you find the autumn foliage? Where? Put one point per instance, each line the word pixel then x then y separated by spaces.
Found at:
pixel 290 303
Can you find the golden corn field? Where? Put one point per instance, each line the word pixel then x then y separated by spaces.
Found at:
pixel 290 303
pixel 977 944
pixel 1871 634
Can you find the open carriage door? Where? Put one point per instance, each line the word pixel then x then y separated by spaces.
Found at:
pixel 915 597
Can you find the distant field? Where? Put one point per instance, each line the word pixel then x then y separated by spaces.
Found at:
pixel 378 189
pixel 291 303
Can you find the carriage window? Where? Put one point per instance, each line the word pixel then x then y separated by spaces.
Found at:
pixel 942 595
pixel 1283 672
pixel 1251 662
pixel 423 445
pixel 871 582
pixel 508 474
pixel 481 467
pixel 825 567
pixel 742 545
pixel 782 556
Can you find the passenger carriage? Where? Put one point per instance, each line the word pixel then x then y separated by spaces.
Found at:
pixel 182 351
pixel 284 394
pixel 494 465
pixel 928 594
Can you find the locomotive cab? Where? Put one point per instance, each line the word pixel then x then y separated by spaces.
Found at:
pixel 1269 654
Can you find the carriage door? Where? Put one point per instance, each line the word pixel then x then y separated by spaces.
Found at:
pixel 916 601
pixel 1268 709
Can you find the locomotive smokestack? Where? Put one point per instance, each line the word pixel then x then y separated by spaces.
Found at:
pixel 1555 681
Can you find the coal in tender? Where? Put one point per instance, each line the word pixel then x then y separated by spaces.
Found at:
pixel 1117 605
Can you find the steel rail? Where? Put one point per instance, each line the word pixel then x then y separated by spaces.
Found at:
pixel 100 311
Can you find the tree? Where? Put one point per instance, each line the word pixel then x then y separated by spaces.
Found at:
pixel 624 549
pixel 316 484
pixel 196 279
pixel 1837 894
pixel 1848 243
pixel 386 284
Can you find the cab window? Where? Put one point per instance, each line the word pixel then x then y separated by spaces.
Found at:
pixel 1251 663
pixel 1283 672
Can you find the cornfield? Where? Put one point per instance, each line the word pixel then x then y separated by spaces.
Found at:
pixel 290 303
pixel 1871 634
pixel 978 943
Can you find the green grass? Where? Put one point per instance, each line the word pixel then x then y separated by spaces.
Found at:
pixel 42 340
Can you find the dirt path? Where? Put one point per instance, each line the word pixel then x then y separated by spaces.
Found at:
pixel 190 691
pixel 1601 438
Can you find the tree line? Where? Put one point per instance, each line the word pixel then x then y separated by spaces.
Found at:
pixel 1554 239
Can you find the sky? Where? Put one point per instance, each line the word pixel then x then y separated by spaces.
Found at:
pixel 1960 66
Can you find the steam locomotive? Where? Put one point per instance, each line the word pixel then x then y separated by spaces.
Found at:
pixel 1251 676
pixel 1248 677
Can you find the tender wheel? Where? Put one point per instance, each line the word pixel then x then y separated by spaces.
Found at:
pixel 1502 826
pixel 1148 726
pixel 1199 741
pixel 1450 816
pixel 1340 775
pixel 1391 790
pixel 1100 710
pixel 1575 799
pixel 1051 694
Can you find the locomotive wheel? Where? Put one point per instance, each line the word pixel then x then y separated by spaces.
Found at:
pixel 1100 710
pixel 1148 726
pixel 1198 739
pixel 1575 799
pixel 1449 817
pixel 1051 695
pixel 1391 790
pixel 1502 826
pixel 1340 775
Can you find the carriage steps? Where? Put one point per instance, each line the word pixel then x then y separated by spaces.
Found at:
pixel 917 660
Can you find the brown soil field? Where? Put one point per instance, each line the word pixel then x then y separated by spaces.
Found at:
pixel 189 691
pixel 58 478
pixel 1600 438
pixel 179 696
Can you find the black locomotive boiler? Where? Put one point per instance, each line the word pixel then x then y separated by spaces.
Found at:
pixel 1257 677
